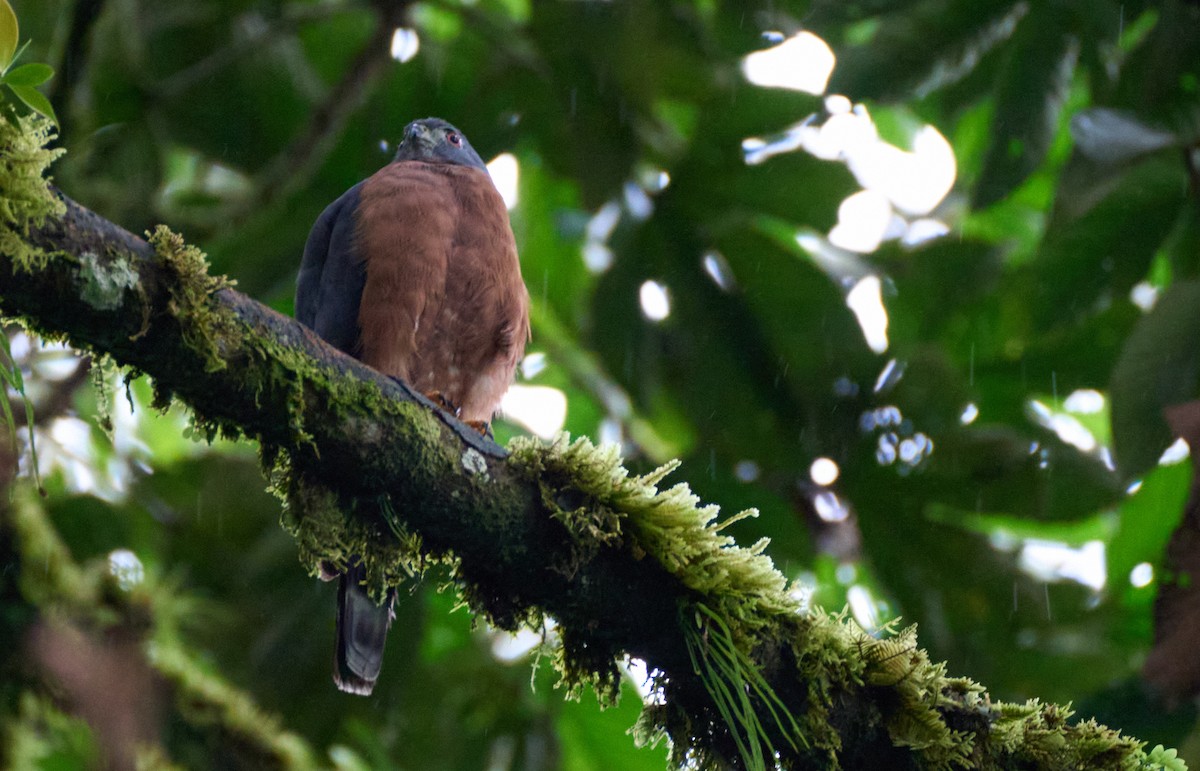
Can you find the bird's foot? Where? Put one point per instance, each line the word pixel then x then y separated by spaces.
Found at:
pixel 482 426
pixel 438 398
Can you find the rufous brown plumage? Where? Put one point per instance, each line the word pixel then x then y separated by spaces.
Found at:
pixel 415 272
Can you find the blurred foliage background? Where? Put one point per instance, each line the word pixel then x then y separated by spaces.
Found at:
pixel 991 465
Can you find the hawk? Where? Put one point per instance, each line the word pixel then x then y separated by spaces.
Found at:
pixel 414 271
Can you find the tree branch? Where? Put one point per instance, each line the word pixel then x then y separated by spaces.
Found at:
pixel 342 424
pixel 623 567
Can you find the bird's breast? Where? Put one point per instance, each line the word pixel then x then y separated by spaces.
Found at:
pixel 442 279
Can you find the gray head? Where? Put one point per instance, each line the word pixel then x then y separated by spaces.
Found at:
pixel 433 140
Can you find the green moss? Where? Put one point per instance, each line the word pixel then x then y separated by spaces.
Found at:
pixel 209 703
pixel 1041 736
pixel 58 579
pixel 205 329
pixel 511 614
pixel 102 374
pixel 738 590
pixel 329 532
pixel 741 604
pixel 591 492
pixel 212 332
pixel 41 734
pixel 28 199
pixel 580 664
pixel 600 505
pixel 919 686
pixel 89 598
pixel 326 533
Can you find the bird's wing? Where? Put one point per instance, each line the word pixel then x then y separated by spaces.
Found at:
pixel 330 285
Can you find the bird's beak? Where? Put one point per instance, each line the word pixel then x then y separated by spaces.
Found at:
pixel 420 135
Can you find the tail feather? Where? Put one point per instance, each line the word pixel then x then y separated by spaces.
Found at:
pixel 362 627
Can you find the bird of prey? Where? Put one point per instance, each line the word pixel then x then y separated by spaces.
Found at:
pixel 414 271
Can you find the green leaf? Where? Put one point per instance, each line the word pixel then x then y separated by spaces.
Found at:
pixel 10 377
pixel 6 412
pixel 1087 253
pixel 922 48
pixel 1145 522
pixel 9 34
pixel 1029 100
pixel 1160 757
pixel 586 735
pixel 1159 366
pixel 35 100
pixel 32 74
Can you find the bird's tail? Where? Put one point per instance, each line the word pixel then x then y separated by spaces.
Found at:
pixel 362 626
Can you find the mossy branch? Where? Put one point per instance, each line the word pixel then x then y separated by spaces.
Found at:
pixel 368 467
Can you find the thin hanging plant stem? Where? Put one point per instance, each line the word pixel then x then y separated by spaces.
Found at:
pixel 10 374
pixel 737 688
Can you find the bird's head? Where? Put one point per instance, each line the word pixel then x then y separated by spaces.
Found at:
pixel 433 140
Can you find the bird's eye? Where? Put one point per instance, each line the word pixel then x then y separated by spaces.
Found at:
pixel 453 138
